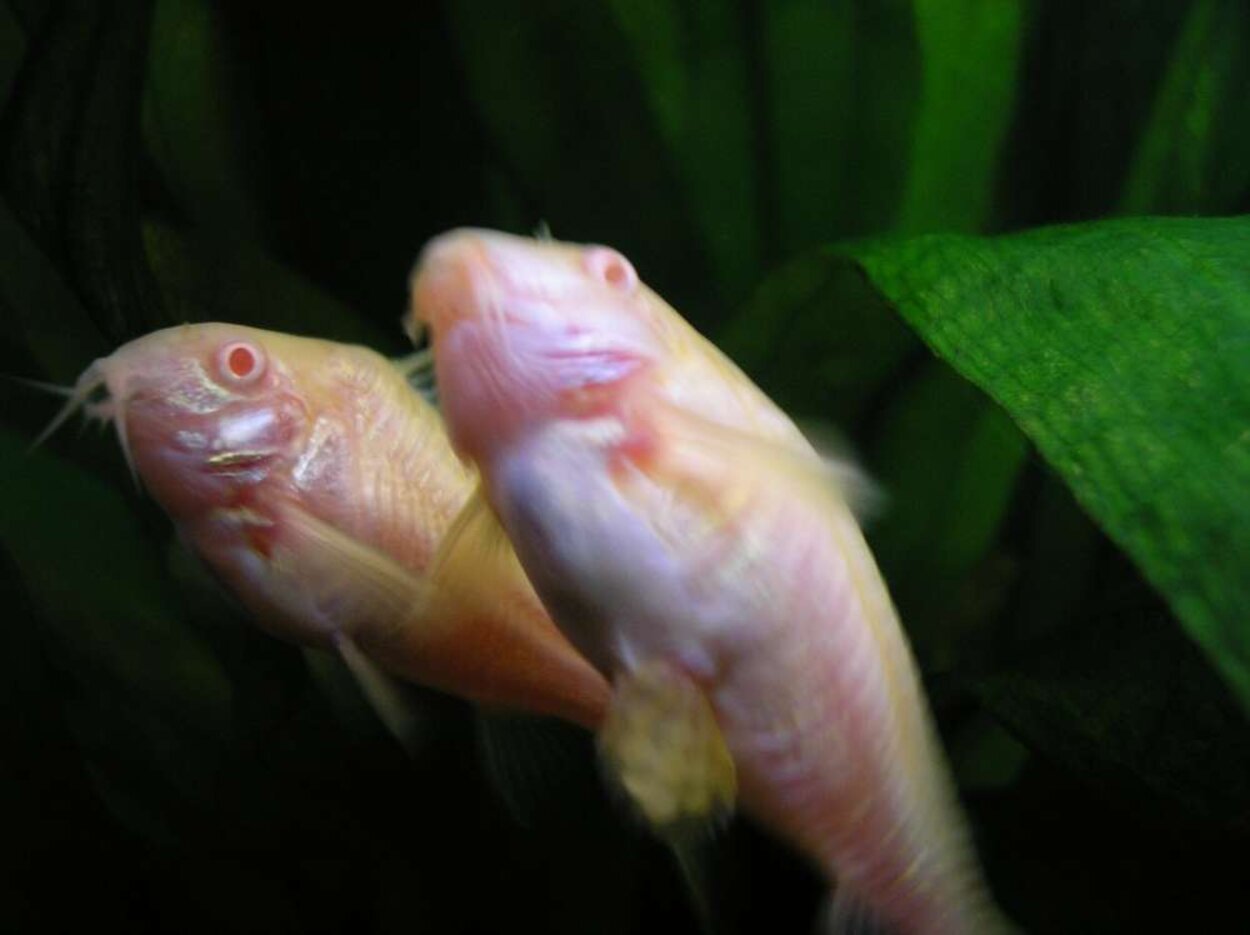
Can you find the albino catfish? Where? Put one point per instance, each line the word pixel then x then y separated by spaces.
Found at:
pixel 320 488
pixel 696 548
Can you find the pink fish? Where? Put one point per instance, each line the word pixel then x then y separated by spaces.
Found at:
pixel 696 548
pixel 320 487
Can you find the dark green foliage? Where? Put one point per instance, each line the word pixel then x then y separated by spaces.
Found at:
pixel 1059 418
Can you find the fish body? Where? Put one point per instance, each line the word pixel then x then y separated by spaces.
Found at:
pixel 320 487
pixel 695 548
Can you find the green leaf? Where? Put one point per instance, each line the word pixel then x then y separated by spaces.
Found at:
pixel 206 278
pixel 1120 349
pixel 556 90
pixel 41 312
pixel 1120 699
pixel 969 53
pixel 88 567
pixel 191 117
pixel 842 86
pixel 695 63
pixel 886 115
pixel 1194 156
pixel 819 339
pixel 948 459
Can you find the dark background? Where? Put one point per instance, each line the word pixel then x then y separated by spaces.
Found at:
pixel 166 767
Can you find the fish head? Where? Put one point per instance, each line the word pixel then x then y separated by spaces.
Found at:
pixel 205 413
pixel 525 330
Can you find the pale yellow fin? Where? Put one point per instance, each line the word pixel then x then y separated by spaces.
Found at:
pixel 701 454
pixel 361 593
pixel 385 695
pixel 661 744
pixel 863 495
pixel 476 549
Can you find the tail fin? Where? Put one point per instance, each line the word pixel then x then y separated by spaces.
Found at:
pixel 847 914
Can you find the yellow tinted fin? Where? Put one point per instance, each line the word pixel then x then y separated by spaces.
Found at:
pixel 725 463
pixel 476 549
pixel 385 695
pixel 366 593
pixel 862 494
pixel 661 744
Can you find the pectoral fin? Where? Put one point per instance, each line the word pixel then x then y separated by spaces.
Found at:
pixel 385 695
pixel 476 549
pixel 660 742
pixel 355 590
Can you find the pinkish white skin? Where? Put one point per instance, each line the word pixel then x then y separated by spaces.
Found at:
pixel 668 513
pixel 319 487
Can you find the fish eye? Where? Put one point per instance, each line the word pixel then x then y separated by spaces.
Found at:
pixel 241 363
pixel 612 268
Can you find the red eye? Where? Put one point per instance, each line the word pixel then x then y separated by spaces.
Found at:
pixel 241 363
pixel 612 268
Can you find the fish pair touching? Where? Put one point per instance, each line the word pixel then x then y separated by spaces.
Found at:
pixel 734 640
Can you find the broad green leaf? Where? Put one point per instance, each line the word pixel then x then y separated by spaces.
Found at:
pixel 555 87
pixel 819 339
pixel 841 87
pixel 885 115
pixel 191 117
pixel 41 313
pixel 1194 156
pixel 694 61
pixel 1119 698
pixel 969 52
pixel 205 278
pixel 72 147
pixel 87 565
pixel 1089 74
pixel 1120 349
pixel 948 460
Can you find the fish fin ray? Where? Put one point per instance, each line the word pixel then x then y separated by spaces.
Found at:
pixel 847 913
pixel 534 763
pixel 733 462
pixel 864 495
pixel 661 746
pixel 347 580
pixel 385 694
pixel 474 549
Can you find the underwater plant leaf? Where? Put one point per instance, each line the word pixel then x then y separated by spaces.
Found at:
pixel 87 565
pixel 884 115
pixel 557 90
pixel 12 48
pixel 1119 348
pixel 1194 154
pixel 1122 700
pixel 841 90
pixel 40 312
pixel 969 56
pixel 948 459
pixel 191 122
pixel 207 278
pixel 72 156
pixel 1089 79
pixel 819 339
pixel 694 62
